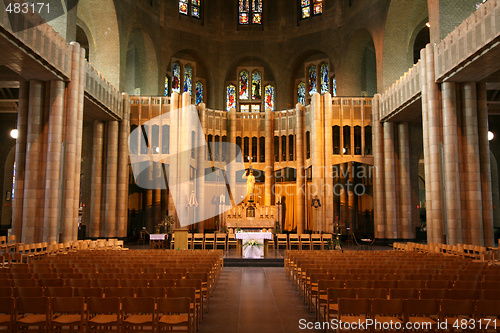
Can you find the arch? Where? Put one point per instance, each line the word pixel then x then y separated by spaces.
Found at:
pixel 100 18
pixel 403 18
pixel 141 64
pixel 360 52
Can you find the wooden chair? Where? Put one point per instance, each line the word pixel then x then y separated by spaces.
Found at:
pixel 174 314
pixel 423 312
pixel 282 240
pixel 209 240
pixel 487 314
pixel 138 314
pixel 293 240
pixel 67 314
pixel 190 293
pixel 199 239
pixel 386 311
pixel 354 310
pixel 305 240
pixel 332 304
pixel 32 312
pixel 316 241
pixel 103 314
pixel 451 310
pixel 325 238
pixel 220 240
pixel 7 313
pixel 231 241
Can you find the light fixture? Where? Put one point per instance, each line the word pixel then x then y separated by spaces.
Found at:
pixel 491 136
pixel 14 133
pixel 428 25
pixel 157 149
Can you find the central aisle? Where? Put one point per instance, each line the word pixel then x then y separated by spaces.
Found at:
pixel 255 300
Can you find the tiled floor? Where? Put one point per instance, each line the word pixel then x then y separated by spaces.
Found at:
pixel 255 300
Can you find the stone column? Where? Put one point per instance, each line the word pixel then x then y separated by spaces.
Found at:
pixel 32 177
pixel 269 156
pixel 435 218
pixel 200 164
pixel 351 198
pixel 317 159
pixel 451 163
pixel 123 169
pixel 96 180
pixel 111 178
pixel 232 138
pixel 174 149
pixel 79 138
pixel 378 179
pixel 473 168
pixel 484 155
pixel 391 200
pixel 53 166
pixel 71 132
pixel 22 124
pixel 405 226
pixel 328 153
pixel 300 146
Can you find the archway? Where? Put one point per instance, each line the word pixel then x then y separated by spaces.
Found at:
pixel 141 65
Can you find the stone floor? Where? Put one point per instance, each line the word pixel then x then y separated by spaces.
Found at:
pixel 255 300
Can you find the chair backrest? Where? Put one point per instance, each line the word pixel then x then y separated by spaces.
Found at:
pixel 67 305
pixel 282 237
pixel 420 307
pixel 156 292
pixel 305 237
pixel 103 305
pixel 88 292
pixel 456 307
pixel 174 305
pixel 351 306
pixel 29 292
pixel 387 307
pixel 119 292
pixel 33 305
pixel 140 305
pixel 486 308
pixel 403 293
pixel 59 291
pixel 189 292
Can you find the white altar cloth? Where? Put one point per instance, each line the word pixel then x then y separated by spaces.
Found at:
pixel 253 251
pixel 158 236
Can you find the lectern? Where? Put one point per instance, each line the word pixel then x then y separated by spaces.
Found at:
pixel 181 239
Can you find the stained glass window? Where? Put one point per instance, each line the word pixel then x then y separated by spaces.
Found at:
pixel 334 87
pixel 250 14
pixel 310 7
pixel 166 86
pixel 312 80
pixel 301 93
pixel 193 6
pixel 230 97
pixel 183 7
pixel 325 82
pixel 269 96
pixel 243 85
pixel 256 85
pixel 188 79
pixel 199 92
pixel 176 78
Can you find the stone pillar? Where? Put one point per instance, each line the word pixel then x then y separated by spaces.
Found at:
pixel 435 218
pixel 391 200
pixel 232 138
pixel 405 221
pixel 79 138
pixel 351 198
pixel 32 178
pixel 269 156
pixel 378 179
pixel 174 146
pixel 451 163
pixel 111 178
pixel 300 146
pixel 53 160
pixel 484 155
pixel 317 159
pixel 200 164
pixel 123 170
pixel 96 180
pixel 22 124
pixel 473 168
pixel 328 153
pixel 69 220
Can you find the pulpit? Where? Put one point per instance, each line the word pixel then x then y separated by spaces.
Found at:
pixel 181 239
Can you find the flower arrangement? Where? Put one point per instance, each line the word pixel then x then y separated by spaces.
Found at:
pixel 252 243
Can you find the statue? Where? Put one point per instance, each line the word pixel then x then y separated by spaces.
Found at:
pixel 250 182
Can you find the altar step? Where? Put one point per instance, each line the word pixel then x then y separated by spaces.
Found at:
pixel 264 262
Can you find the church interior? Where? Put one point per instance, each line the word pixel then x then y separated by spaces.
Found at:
pixel 208 145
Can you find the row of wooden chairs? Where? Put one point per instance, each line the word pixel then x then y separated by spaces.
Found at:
pixel 412 314
pixel 97 314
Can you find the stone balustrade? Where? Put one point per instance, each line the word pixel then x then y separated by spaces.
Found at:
pixel 404 90
pixel 479 30
pixel 102 91
pixel 40 38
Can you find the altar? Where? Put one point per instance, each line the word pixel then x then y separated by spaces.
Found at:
pixel 157 241
pixel 251 216
pixel 253 244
